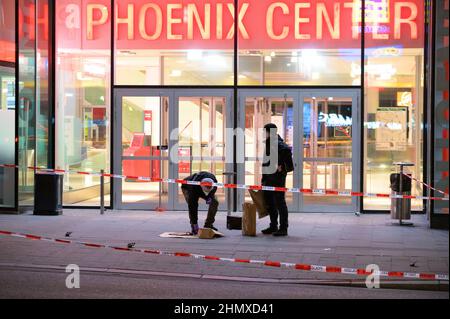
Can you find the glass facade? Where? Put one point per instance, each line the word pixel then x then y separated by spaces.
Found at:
pixel 7 135
pixel 258 112
pixel 174 43
pixel 393 95
pixel 102 46
pixel 44 94
pixel 298 43
pixel 27 99
pixel 83 96
pixel 145 127
pixel 7 104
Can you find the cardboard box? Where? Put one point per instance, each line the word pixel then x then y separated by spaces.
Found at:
pixel 258 200
pixel 249 219
pixel 208 233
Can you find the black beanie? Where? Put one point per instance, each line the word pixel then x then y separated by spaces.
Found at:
pixel 270 126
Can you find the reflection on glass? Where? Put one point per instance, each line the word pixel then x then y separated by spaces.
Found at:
pixel 178 43
pixel 7 104
pixel 145 123
pixel 327 127
pixel 7 135
pixel 8 31
pixel 327 149
pixel 393 121
pixel 330 176
pixel 83 107
pixel 260 111
pixel 43 110
pixel 202 123
pixel 302 67
pixel 393 110
pixel 27 104
pixel 192 67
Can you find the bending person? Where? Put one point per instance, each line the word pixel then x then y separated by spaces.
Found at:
pixel 192 194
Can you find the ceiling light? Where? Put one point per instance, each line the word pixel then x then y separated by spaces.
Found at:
pixel 194 55
pixel 176 73
pixel 216 61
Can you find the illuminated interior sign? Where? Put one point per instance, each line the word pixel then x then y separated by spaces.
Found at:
pixel 377 11
pixel 335 120
pixel 404 99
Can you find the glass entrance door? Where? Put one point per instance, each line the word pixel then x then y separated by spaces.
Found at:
pixel 320 126
pixel 142 148
pixel 169 134
pixel 330 156
pixel 202 118
pixel 258 108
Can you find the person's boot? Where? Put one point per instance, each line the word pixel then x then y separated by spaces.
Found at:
pixel 211 226
pixel 194 229
pixel 280 233
pixel 270 230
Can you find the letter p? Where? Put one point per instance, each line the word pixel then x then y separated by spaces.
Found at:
pixel 95 20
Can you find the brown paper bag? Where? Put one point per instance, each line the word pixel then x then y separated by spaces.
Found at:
pixel 258 200
pixel 208 233
pixel 248 219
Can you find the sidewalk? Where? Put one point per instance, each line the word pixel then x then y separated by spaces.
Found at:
pixel 330 239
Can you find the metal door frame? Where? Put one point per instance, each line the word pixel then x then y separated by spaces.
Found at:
pixel 354 94
pixel 276 93
pixel 173 95
pixel 298 95
pixel 117 147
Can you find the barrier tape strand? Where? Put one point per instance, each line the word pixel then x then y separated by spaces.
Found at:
pixel 267 263
pixel 318 192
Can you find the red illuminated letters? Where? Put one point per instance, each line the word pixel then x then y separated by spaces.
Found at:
pixel 260 23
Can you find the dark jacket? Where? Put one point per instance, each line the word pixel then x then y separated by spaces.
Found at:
pixel 195 190
pixel 284 160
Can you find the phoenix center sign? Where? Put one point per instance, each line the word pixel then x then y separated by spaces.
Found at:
pixel 261 24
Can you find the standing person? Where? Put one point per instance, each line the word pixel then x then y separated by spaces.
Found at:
pixel 192 194
pixel 276 201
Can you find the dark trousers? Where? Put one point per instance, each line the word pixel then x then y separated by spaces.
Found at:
pixel 276 205
pixel 192 202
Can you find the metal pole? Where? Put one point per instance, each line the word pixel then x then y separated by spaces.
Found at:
pixel 228 176
pixel 102 192
pixel 401 191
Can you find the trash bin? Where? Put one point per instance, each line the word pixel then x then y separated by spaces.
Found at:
pixel 48 192
pixel 400 207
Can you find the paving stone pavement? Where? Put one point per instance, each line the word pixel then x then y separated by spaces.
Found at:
pixel 333 239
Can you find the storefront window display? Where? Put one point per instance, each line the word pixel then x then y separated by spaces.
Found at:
pixel 279 44
pixel 83 102
pixel 7 104
pixel 393 110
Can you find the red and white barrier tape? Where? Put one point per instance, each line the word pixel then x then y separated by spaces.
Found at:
pixel 278 264
pixel 425 184
pixel 321 192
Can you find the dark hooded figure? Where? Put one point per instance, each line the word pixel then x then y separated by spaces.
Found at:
pixel 276 201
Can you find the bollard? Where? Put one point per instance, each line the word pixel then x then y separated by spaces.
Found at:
pixel 102 192
pixel 228 180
